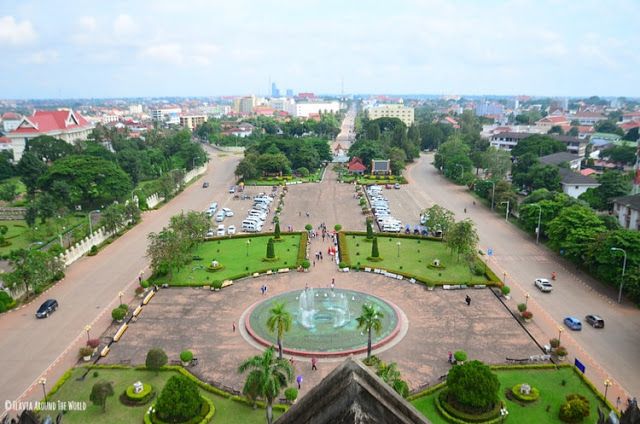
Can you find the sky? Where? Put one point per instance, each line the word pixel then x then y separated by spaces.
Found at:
pixel 141 48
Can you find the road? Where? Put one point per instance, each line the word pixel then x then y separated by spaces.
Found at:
pixel 31 348
pixel 615 349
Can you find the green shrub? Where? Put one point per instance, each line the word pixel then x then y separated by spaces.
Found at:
pixel 271 253
pixel 455 416
pixel 463 382
pixel 124 307
pixel 144 284
pixel 522 307
pixel 554 343
pixel 93 251
pixel 118 314
pixel 533 395
pixel 575 409
pixel 132 395
pixel 337 227
pixel 186 356
pixel 305 264
pixel 179 400
pixel 505 290
pixel 291 394
pixel 375 253
pixel 460 356
pixel 156 359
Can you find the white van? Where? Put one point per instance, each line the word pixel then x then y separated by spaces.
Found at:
pixel 391 228
pixel 251 226
pixel 258 214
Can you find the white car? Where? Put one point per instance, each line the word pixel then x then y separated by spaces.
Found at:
pixel 227 212
pixel 220 231
pixel 210 233
pixel 231 229
pixel 543 284
pixel 220 216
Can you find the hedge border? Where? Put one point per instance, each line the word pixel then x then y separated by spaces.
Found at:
pixel 455 420
pixel 60 382
pixel 207 418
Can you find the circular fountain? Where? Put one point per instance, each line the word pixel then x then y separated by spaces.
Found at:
pixel 324 322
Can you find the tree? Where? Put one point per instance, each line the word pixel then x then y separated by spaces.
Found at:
pixel 112 217
pixel 463 238
pixel 92 181
pixel 539 145
pixel 375 253
pixel 612 184
pixel 167 252
pixel 100 392
pixel 267 376
pixel 8 191
pixel 497 162
pixel 632 134
pixel 156 359
pixel 7 169
pixel 397 158
pixel 179 400
pixel 32 269
pixel 464 380
pixel 247 168
pixel 543 176
pixel 439 219
pixel 271 253
pixel 30 169
pixel 556 129
pixel 48 149
pixel 624 154
pixel 610 127
pixel 279 321
pixel 190 228
pixel 370 320
pixel 573 226
pixel 276 232
pixel 369 230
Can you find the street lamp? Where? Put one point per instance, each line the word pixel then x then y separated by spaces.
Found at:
pixel 526 299
pixel 539 217
pixel 607 383
pixel 504 277
pixel 461 170
pixel 91 223
pixel 43 382
pixel 624 267
pixel 506 215
pixel 120 294
pixel 87 328
pixel 504 413
pixel 398 244
pixel 560 330
pixel 248 244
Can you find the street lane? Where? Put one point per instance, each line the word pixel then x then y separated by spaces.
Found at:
pixel 90 290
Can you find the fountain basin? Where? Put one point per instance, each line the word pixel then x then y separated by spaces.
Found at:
pixel 324 322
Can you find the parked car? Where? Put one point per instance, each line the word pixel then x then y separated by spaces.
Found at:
pixel 210 233
pixel 205 184
pixel 573 323
pixel 227 212
pixel 388 186
pixel 396 186
pixel 543 284
pixel 220 216
pixel 595 321
pixel 49 306
pixel 231 229
pixel 221 230
pixel 232 189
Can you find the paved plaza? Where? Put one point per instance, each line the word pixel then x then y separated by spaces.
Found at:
pixel 438 322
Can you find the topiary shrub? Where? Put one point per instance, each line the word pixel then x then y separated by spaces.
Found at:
pixel 463 382
pixel 505 290
pixel 93 251
pixel 522 307
pixel 156 359
pixel 527 315
pixel 271 252
pixel 337 227
pixel 554 343
pixel 291 394
pixel 575 409
pixel 179 400
pixel 186 356
pixel 118 314
pixel 533 395
pixel 342 264
pixel 460 356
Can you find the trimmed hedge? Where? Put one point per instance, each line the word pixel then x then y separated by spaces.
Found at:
pixel 259 403
pixel 203 418
pixel 60 382
pixel 535 394
pixel 427 391
pixel 447 416
pixel 343 250
pixel 302 248
pixel 146 390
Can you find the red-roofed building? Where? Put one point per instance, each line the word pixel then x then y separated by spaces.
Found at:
pixel 551 121
pixel 588 171
pixel 629 125
pixel 447 120
pixel 64 124
pixel 356 166
pixel 5 143
pixel 10 121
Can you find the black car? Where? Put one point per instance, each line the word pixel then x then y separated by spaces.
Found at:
pixel 595 321
pixel 46 308
pixel 205 184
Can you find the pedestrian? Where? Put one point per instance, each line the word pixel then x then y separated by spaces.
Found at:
pixel 307 214
pixel 450 357
pixel 314 362
pixel 333 285
pixel 465 210
pixel 140 279
pixel 233 325
pixel 468 300
pixel 299 381
pixel 314 263
pixel 618 403
pixel 265 291
pixel 333 281
pixel 291 361
pixel 299 213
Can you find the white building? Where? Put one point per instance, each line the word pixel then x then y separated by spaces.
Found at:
pixel 627 209
pixel 10 121
pixel 63 124
pixel 192 121
pixel 404 113
pixel 574 183
pixel 304 109
pixel 135 109
pixel 167 115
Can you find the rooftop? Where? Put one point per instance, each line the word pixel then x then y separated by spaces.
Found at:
pixel 569 177
pixel 632 201
pixel 558 158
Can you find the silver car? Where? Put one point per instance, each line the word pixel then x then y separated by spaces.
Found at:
pixel 543 285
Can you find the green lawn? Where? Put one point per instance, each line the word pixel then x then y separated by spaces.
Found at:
pixel 237 257
pixel 227 410
pixel 552 395
pixel 412 258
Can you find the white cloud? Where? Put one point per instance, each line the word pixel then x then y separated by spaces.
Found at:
pixel 16 33
pixel 41 57
pixel 170 53
pixel 124 26
pixel 87 23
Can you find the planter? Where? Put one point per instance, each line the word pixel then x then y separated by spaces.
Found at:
pixel 431 288
pixel 86 358
pixel 506 296
pixel 527 320
pixel 562 358
pixel 186 364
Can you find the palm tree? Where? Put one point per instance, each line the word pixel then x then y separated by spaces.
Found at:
pixel 279 321
pixel 370 320
pixel 267 376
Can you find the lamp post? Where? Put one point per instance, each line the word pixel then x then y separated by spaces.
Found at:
pixel 91 223
pixel 398 244
pixel 120 294
pixel 493 193
pixel 248 244
pixel 506 215
pixel 607 383
pixel 461 170
pixel 43 382
pixel 87 328
pixel 539 217
pixel 526 299
pixel 560 330
pixel 504 277
pixel 624 267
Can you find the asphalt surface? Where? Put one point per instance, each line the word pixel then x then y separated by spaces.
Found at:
pixel 31 349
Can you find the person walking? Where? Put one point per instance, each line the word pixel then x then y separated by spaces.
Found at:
pixel 233 326
pixel 314 363
pixel 468 300
pixel 450 357
pixel 299 381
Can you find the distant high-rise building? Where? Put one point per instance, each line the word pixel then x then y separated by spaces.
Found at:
pixel 405 114
pixel 275 92
pixel 489 108
pixel 289 92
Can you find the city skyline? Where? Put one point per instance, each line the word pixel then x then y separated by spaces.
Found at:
pixel 164 49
